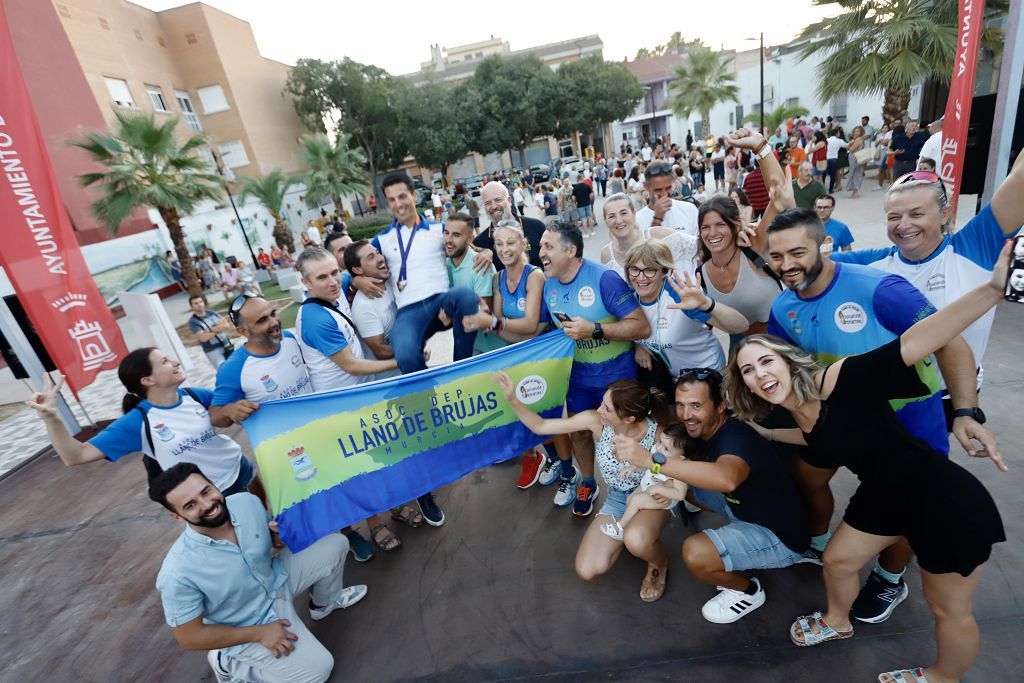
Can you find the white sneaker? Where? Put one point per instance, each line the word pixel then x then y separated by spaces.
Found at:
pixel 566 493
pixel 729 605
pixel 691 508
pixel 349 597
pixel 613 529
pixel 550 471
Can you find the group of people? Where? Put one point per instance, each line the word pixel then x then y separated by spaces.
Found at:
pixel 848 358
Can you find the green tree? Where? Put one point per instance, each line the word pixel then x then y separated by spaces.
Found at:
pixel 676 43
pixel 270 191
pixel 334 170
pixel 434 120
pixel 888 46
pixel 144 165
pixel 592 91
pixel 357 100
pixel 775 118
pixel 512 103
pixel 704 81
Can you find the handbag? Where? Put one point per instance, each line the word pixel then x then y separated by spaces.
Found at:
pixel 864 155
pixel 821 165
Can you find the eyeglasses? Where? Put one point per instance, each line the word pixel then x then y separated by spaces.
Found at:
pixel 635 272
pixel 923 176
pixel 699 374
pixel 658 169
pixel 236 307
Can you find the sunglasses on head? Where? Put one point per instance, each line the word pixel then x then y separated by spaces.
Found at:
pixel 699 374
pixel 922 176
pixel 658 169
pixel 236 307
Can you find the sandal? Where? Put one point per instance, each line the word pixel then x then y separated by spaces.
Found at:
pixel 810 638
pixel 386 542
pixel 613 529
pixel 655 580
pixel 408 516
pixel 897 676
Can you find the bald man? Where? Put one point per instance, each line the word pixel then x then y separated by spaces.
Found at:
pixel 498 207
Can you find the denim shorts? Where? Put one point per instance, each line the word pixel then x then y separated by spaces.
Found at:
pixel 743 545
pixel 614 503
pixel 586 211
pixel 246 473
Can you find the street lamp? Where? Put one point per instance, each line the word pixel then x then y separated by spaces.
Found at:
pixel 224 171
pixel 761 43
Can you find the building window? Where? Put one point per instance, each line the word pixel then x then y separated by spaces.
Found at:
pixel 839 107
pixel 156 98
pixel 792 101
pixel 213 99
pixel 185 104
pixel 119 92
pixel 732 118
pixel 233 154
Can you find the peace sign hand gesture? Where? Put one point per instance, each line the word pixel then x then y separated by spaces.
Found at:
pixel 781 194
pixel 690 294
pixel 45 402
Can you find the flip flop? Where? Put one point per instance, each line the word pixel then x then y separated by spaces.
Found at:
pixel 385 542
pixel 408 516
pixel 655 578
pixel 897 676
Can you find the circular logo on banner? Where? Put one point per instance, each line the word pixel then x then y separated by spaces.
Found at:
pixel 850 317
pixel 521 303
pixel 531 389
pixel 586 296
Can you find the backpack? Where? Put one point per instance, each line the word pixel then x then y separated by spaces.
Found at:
pixel 153 468
pixel 755 259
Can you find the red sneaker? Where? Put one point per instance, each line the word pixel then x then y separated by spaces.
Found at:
pixel 532 464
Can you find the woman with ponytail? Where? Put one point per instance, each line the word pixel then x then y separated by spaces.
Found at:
pixel 166 422
pixel 629 410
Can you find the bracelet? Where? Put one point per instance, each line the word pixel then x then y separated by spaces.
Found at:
pixel 501 325
pixel 771 435
pixel 495 322
pixel 763 152
pixel 656 219
pixel 709 308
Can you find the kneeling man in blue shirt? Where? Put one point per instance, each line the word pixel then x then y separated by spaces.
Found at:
pixel 225 590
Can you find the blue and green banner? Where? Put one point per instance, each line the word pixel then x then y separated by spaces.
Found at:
pixel 333 459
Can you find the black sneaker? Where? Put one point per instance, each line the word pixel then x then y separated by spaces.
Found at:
pixel 878 598
pixel 812 556
pixel 432 514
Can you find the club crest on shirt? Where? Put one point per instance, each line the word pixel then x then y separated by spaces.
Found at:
pixel 851 317
pixel 521 304
pixel 794 323
pixel 586 296
pixel 200 411
pixel 268 383
pixel 163 432
pixel 296 361
pixel 937 281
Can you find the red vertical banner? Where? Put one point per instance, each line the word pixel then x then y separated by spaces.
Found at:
pixel 961 94
pixel 39 251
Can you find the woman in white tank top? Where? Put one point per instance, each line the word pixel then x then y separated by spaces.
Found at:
pixel 620 218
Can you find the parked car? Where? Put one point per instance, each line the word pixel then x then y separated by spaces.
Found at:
pixel 474 182
pixel 541 173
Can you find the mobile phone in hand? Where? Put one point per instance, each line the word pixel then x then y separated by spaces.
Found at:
pixel 1015 280
pixel 562 316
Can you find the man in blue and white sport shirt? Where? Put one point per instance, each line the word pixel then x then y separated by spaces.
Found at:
pixel 268 366
pixel 834 310
pixel 414 250
pixel 332 348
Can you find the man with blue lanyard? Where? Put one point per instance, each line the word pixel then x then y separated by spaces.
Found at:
pixel 414 250
pixel 597 309
pixel 834 310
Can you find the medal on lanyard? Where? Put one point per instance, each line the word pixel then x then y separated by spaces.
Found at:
pixel 404 252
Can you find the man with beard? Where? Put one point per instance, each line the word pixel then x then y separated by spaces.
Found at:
pixel 661 209
pixel 458 232
pixel 833 310
pixel 498 207
pixel 731 470
pixel 223 591
pixel 374 316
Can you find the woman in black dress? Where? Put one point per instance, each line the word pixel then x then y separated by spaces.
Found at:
pixel 843 413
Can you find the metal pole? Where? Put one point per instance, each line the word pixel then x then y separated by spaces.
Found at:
pixel 33 366
pixel 763 132
pixel 1007 101
pixel 220 169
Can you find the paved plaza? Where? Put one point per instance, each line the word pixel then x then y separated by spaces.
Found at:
pixel 491 596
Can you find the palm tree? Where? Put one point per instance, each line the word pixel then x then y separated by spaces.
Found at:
pixel 145 166
pixel 775 118
pixel 334 170
pixel 888 46
pixel 270 191
pixel 702 82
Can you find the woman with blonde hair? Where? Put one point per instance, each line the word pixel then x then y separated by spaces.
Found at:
pixel 843 413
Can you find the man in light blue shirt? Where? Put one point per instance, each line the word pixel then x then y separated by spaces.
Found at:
pixel 223 589
pixel 842 238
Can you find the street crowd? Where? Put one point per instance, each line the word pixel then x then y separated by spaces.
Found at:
pixel 835 357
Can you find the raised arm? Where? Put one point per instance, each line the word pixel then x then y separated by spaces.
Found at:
pixel 587 421
pixel 937 330
pixel 69 449
pixel 1008 200
pixel 693 298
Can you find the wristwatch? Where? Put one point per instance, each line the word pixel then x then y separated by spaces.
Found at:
pixel 659 460
pixel 976 413
pixel 598 332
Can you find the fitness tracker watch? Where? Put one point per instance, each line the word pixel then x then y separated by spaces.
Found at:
pixel 976 413
pixel 659 460
pixel 598 331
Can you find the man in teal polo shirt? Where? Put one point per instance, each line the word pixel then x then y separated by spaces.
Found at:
pixel 458 236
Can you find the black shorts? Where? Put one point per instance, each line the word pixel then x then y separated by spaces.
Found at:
pixel 947 516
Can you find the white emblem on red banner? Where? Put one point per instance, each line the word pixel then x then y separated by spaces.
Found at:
pixel 66 303
pixel 92 347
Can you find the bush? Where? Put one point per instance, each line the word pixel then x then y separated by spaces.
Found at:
pixel 365 227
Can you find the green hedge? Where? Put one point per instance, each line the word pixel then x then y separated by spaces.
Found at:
pixel 365 227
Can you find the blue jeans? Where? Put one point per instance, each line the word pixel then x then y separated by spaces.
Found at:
pixel 417 322
pixel 831 172
pixel 246 473
pixel 743 545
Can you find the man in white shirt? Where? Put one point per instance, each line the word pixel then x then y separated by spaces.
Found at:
pixel 661 209
pixel 374 317
pixel 414 250
pixel 645 152
pixel 313 233
pixel 932 148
